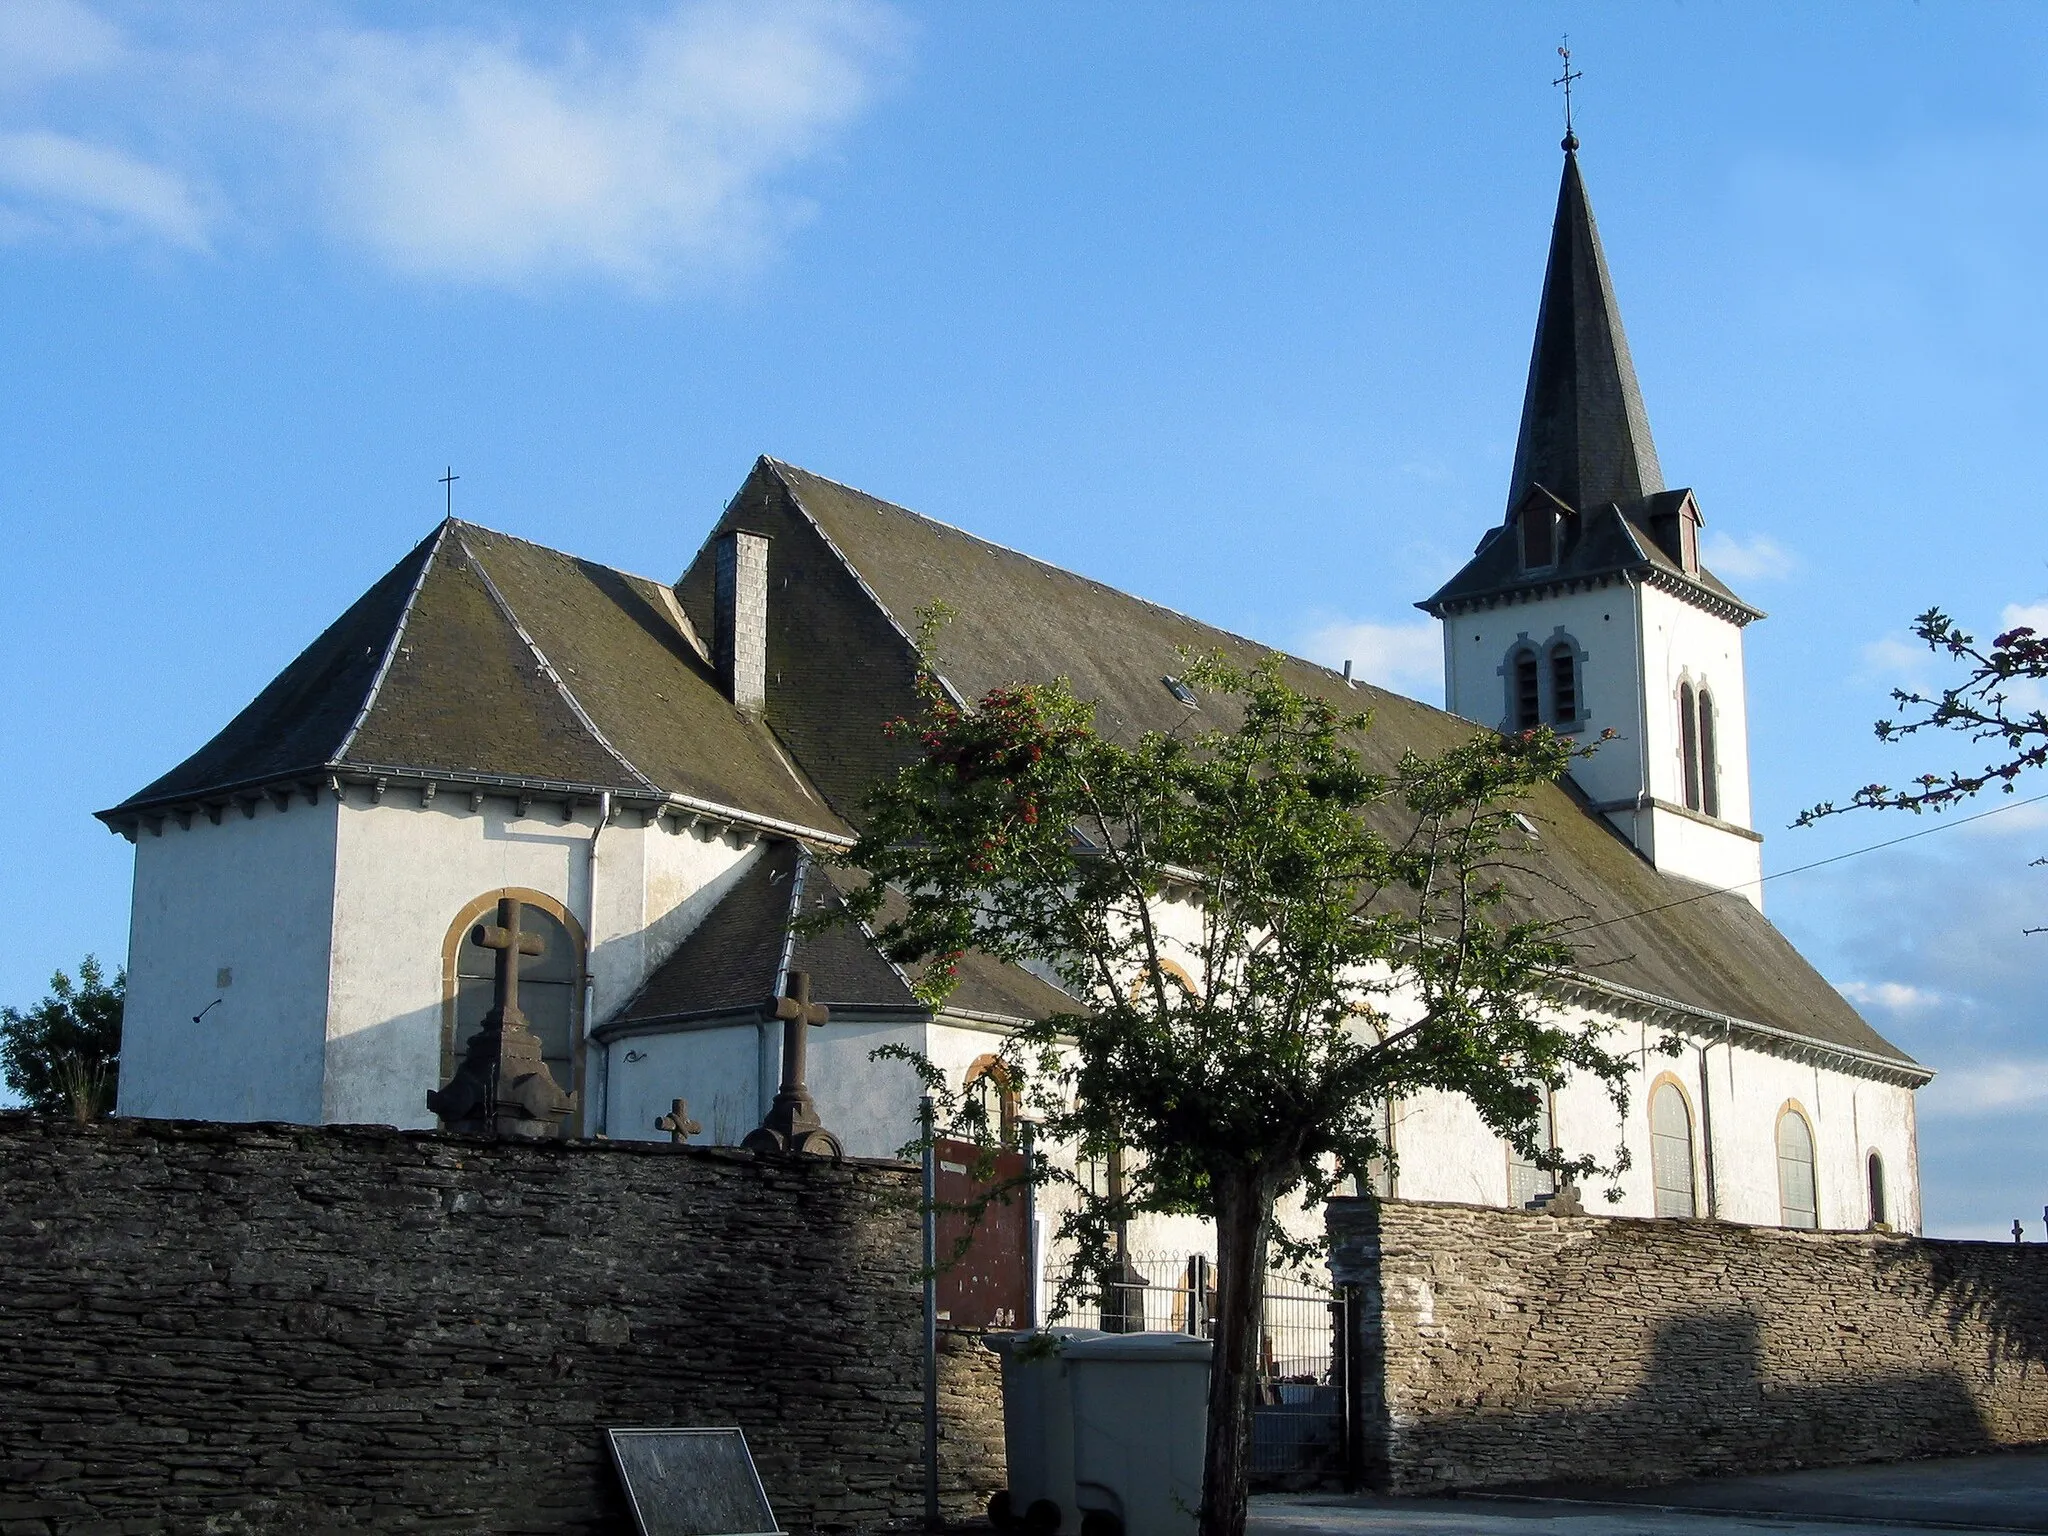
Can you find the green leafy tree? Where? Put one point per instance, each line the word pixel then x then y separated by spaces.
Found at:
pixel 64 1055
pixel 1266 940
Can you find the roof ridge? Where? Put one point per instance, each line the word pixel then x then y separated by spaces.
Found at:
pixel 1057 570
pixel 548 667
pixel 549 549
pixel 391 646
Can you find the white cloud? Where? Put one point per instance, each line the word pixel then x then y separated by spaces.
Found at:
pixel 1897 661
pixel 1892 996
pixel 458 156
pixel 58 183
pixel 642 151
pixel 1757 558
pixel 1987 1088
pixel 50 39
pixel 1405 658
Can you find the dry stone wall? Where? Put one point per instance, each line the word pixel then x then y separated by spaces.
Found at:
pixel 1505 1347
pixel 268 1328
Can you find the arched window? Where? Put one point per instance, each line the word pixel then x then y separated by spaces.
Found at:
pixel 1525 693
pixel 1527 1183
pixel 1564 684
pixel 550 985
pixel 1710 784
pixel 1879 1216
pixel 1378 1177
pixel 1689 745
pixel 1671 1150
pixel 988 1081
pixel 1797 1203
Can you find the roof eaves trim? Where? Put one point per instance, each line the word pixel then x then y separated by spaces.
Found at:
pixel 391 645
pixel 1734 610
pixel 548 668
pixel 1841 1057
pixel 790 919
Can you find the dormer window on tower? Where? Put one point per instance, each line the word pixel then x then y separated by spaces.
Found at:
pixel 1539 537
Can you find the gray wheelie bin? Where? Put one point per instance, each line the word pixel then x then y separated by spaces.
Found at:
pixel 1106 1430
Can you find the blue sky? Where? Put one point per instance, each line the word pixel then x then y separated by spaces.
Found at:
pixel 1229 306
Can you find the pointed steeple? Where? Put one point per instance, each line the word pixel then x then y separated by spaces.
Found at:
pixel 1585 435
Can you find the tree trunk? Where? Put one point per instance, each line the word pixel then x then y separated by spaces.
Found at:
pixel 1244 1224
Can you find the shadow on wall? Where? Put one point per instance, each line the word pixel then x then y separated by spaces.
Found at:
pixel 1703 1407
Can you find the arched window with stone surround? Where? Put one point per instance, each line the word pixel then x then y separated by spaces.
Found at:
pixel 988 1082
pixel 550 985
pixel 1671 1152
pixel 1527 1181
pixel 1689 745
pixel 1710 775
pixel 1798 1198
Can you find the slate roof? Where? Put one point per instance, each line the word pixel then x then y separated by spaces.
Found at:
pixel 1609 541
pixel 732 961
pixel 1585 433
pixel 841 661
pixel 484 657
pixel 1584 445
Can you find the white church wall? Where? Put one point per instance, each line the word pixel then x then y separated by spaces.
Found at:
pixel 871 1106
pixel 237 911
pixel 405 874
pixel 1602 625
pixel 716 1069
pixel 1682 642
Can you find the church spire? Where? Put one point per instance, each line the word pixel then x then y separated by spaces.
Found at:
pixel 1585 435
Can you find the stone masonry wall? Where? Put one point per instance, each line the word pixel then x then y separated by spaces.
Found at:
pixel 269 1328
pixel 1506 1347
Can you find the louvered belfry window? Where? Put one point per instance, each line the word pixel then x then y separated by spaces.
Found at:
pixel 1564 685
pixel 1710 787
pixel 1528 700
pixel 1689 745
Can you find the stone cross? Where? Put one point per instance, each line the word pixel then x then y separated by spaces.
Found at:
pixel 505 937
pixel 502 1086
pixel 677 1122
pixel 793 1124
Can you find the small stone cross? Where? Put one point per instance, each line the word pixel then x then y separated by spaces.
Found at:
pixel 793 1124
pixel 677 1122
pixel 504 936
pixel 2019 1233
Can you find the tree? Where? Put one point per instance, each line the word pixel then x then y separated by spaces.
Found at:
pixel 1983 706
pixel 64 1055
pixel 1340 937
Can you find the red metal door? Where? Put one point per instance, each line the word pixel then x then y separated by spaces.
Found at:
pixel 989 1285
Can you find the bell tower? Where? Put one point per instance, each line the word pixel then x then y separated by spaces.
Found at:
pixel 1586 609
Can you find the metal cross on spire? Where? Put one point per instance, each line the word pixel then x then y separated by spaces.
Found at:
pixel 1571 139
pixel 448 480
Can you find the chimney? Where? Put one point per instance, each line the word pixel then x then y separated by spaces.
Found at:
pixel 739 641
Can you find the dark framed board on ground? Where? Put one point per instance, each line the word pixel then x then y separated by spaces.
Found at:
pixel 692 1482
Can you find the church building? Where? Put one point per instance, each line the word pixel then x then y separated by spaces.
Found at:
pixel 660 771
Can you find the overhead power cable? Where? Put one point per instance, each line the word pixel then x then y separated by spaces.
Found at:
pixel 1800 869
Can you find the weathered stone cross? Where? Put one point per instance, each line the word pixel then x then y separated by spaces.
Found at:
pixel 677 1122
pixel 793 1124
pixel 505 937
pixel 502 1086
